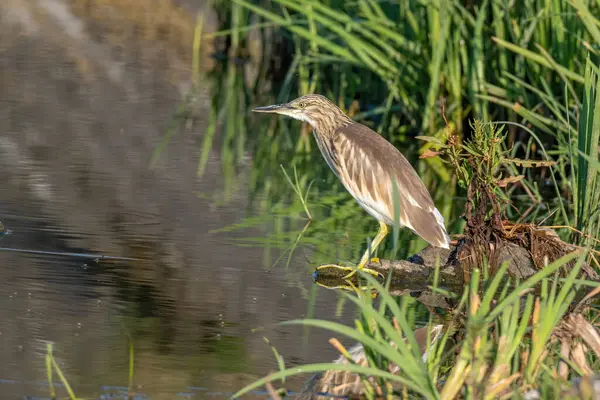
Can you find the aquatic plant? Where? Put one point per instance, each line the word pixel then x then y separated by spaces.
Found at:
pixel 502 337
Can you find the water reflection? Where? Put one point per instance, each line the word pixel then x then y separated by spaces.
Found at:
pixel 190 317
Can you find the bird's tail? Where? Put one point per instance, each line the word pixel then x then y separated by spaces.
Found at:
pixel 430 226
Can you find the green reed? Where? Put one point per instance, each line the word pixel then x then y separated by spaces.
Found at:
pixel 506 348
pixel 52 367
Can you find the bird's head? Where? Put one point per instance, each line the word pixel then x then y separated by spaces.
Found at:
pixel 315 109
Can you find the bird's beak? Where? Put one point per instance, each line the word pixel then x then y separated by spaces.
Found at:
pixel 277 109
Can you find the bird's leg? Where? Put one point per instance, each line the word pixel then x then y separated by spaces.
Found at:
pixel 350 287
pixel 383 232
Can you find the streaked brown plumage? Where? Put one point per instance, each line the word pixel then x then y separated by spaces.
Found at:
pixel 368 165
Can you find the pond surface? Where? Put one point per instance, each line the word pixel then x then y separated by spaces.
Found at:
pixel 190 316
pixel 80 117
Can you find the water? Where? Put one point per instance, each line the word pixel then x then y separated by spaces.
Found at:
pixel 79 120
pixel 189 304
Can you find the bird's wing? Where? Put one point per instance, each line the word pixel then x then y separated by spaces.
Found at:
pixel 371 164
pixel 374 162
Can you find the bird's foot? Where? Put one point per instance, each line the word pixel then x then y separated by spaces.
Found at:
pixel 352 270
pixel 367 270
pixel 350 287
pixel 361 267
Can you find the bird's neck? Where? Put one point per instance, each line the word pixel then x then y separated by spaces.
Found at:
pixel 327 124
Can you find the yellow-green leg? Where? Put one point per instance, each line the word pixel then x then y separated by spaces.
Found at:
pixel 350 287
pixel 383 232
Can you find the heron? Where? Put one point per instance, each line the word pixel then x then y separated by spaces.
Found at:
pixel 372 170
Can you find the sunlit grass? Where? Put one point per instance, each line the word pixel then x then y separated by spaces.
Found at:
pixel 298 189
pixel 587 202
pixel 508 343
pixel 52 368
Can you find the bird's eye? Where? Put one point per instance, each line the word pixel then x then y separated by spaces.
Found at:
pixel 302 104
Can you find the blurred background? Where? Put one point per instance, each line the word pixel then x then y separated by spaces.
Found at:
pixel 125 131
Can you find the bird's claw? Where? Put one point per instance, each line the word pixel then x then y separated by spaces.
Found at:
pixel 361 267
pixel 352 270
pixel 348 286
pixel 367 270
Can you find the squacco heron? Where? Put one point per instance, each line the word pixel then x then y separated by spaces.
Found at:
pixel 368 165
